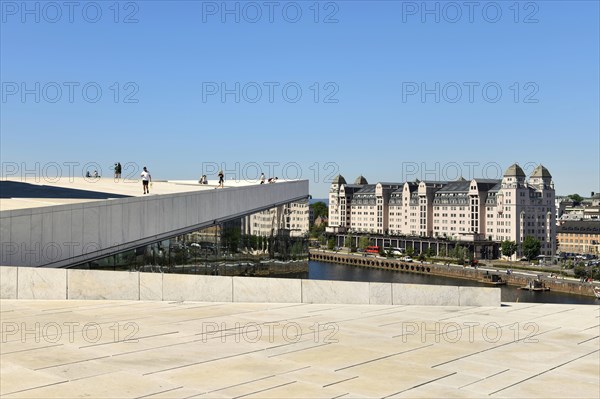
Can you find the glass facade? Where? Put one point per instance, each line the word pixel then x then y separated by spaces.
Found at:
pixel 232 248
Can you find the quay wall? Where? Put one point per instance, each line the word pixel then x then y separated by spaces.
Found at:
pixel 469 273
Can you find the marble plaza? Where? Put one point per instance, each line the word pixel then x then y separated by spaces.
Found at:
pixel 132 349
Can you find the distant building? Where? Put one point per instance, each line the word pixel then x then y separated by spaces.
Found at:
pixel 595 199
pixel 466 210
pixel 579 237
pixel 289 219
pixel 588 209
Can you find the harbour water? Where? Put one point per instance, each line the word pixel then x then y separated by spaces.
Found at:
pixel 333 271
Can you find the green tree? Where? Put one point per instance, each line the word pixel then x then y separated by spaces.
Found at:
pixel 508 248
pixel 580 271
pixel 253 241
pixel 320 209
pixel 458 252
pixel 297 250
pixel 430 252
pixel 331 243
pixel 231 237
pixel 363 242
pixel 352 244
pixel 316 231
pixel 531 247
pixel 469 256
pixel 348 241
pixel 421 257
pixel 410 251
pixel 576 198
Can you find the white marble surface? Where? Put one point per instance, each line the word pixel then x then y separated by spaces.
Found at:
pixel 422 294
pixel 324 291
pixel 100 284
pixel 360 351
pixel 479 296
pixel 259 289
pixel 380 293
pixel 51 283
pixel 181 287
pixel 40 283
pixel 8 282
pixel 151 286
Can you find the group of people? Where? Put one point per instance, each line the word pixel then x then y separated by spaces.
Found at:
pixel 203 179
pixel 271 179
pixel 147 178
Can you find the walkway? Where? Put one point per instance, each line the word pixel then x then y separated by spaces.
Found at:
pixel 186 349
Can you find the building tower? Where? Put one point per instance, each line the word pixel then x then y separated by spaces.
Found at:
pixel 544 209
pixel 335 210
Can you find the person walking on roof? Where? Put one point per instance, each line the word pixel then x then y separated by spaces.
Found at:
pixel 221 179
pixel 146 179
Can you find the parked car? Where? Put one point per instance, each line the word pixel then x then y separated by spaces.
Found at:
pixel 407 259
pixel 373 249
pixel 398 251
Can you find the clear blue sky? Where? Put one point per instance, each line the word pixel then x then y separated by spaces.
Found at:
pixel 370 63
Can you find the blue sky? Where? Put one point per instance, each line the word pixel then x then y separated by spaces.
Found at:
pixel 362 70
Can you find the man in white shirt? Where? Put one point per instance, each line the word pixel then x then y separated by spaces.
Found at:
pixel 146 179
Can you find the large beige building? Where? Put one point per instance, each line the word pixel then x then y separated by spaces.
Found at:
pixel 465 210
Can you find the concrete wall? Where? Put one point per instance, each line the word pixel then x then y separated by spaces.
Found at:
pixel 46 283
pixel 64 235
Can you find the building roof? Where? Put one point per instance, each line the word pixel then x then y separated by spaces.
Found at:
pixel 361 180
pixel 579 226
pixel 488 184
pixel 366 189
pixel 388 183
pixel 339 179
pixel 434 182
pixel 350 189
pixel 455 187
pixel 496 187
pixel 514 170
pixel 541 171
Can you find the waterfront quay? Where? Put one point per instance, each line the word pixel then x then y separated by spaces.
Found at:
pixel 449 270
